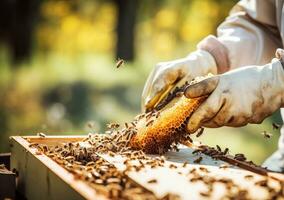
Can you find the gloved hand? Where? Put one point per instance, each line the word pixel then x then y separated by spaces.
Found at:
pixel 165 74
pixel 238 97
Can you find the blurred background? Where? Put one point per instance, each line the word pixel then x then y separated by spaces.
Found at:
pixel 58 73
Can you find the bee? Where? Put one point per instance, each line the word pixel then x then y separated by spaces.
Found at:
pixel 126 125
pixel 205 194
pixel 223 166
pixel 203 169
pixel 199 132
pixel 70 144
pixel 218 147
pixel 248 176
pixel 133 124
pixel 90 142
pixel 194 179
pixel 38 152
pixel 119 63
pixel 113 180
pixel 33 144
pixel 85 150
pixel 158 114
pixel 262 183
pixel 152 181
pixel 225 151
pixel 91 163
pixel 99 181
pixel 129 136
pixel 91 124
pixel 77 163
pixel 42 135
pixel 89 168
pixel 189 139
pixel 276 126
pixel 179 94
pixel 198 160
pixel 224 180
pixel 140 116
pixel 111 154
pixel 240 157
pixel 113 125
pixel 149 115
pixel 45 148
pixel 51 155
pixel 196 151
pixel 192 171
pixel 266 134
pixel 69 158
pixel 172 166
pixel 175 148
pixel 149 123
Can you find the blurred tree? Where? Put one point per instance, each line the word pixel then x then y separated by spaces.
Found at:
pixel 74 99
pixel 127 13
pixel 17 20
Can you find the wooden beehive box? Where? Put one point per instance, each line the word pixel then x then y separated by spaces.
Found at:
pixel 42 178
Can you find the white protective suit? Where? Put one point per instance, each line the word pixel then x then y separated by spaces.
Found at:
pixel 249 36
pixel 252 33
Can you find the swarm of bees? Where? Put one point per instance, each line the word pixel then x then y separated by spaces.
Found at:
pixel 82 159
pixel 157 130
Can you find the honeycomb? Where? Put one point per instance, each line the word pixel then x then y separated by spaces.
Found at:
pixel 167 127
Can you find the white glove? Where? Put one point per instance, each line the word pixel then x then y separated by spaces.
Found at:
pixel 275 162
pixel 198 63
pixel 241 96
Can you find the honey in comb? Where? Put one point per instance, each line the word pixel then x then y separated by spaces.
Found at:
pixel 167 128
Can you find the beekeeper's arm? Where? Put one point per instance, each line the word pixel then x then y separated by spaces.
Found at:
pixel 245 38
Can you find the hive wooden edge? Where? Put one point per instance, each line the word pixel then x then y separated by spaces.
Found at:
pixel 80 186
pixel 23 140
pixel 58 138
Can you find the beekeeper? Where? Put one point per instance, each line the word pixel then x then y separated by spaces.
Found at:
pixel 247 60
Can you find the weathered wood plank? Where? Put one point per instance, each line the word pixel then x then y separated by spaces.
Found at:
pixel 42 178
pixel 177 180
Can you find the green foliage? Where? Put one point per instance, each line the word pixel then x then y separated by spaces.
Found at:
pixel 72 79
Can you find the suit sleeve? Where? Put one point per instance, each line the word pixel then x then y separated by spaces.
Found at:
pixel 246 37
